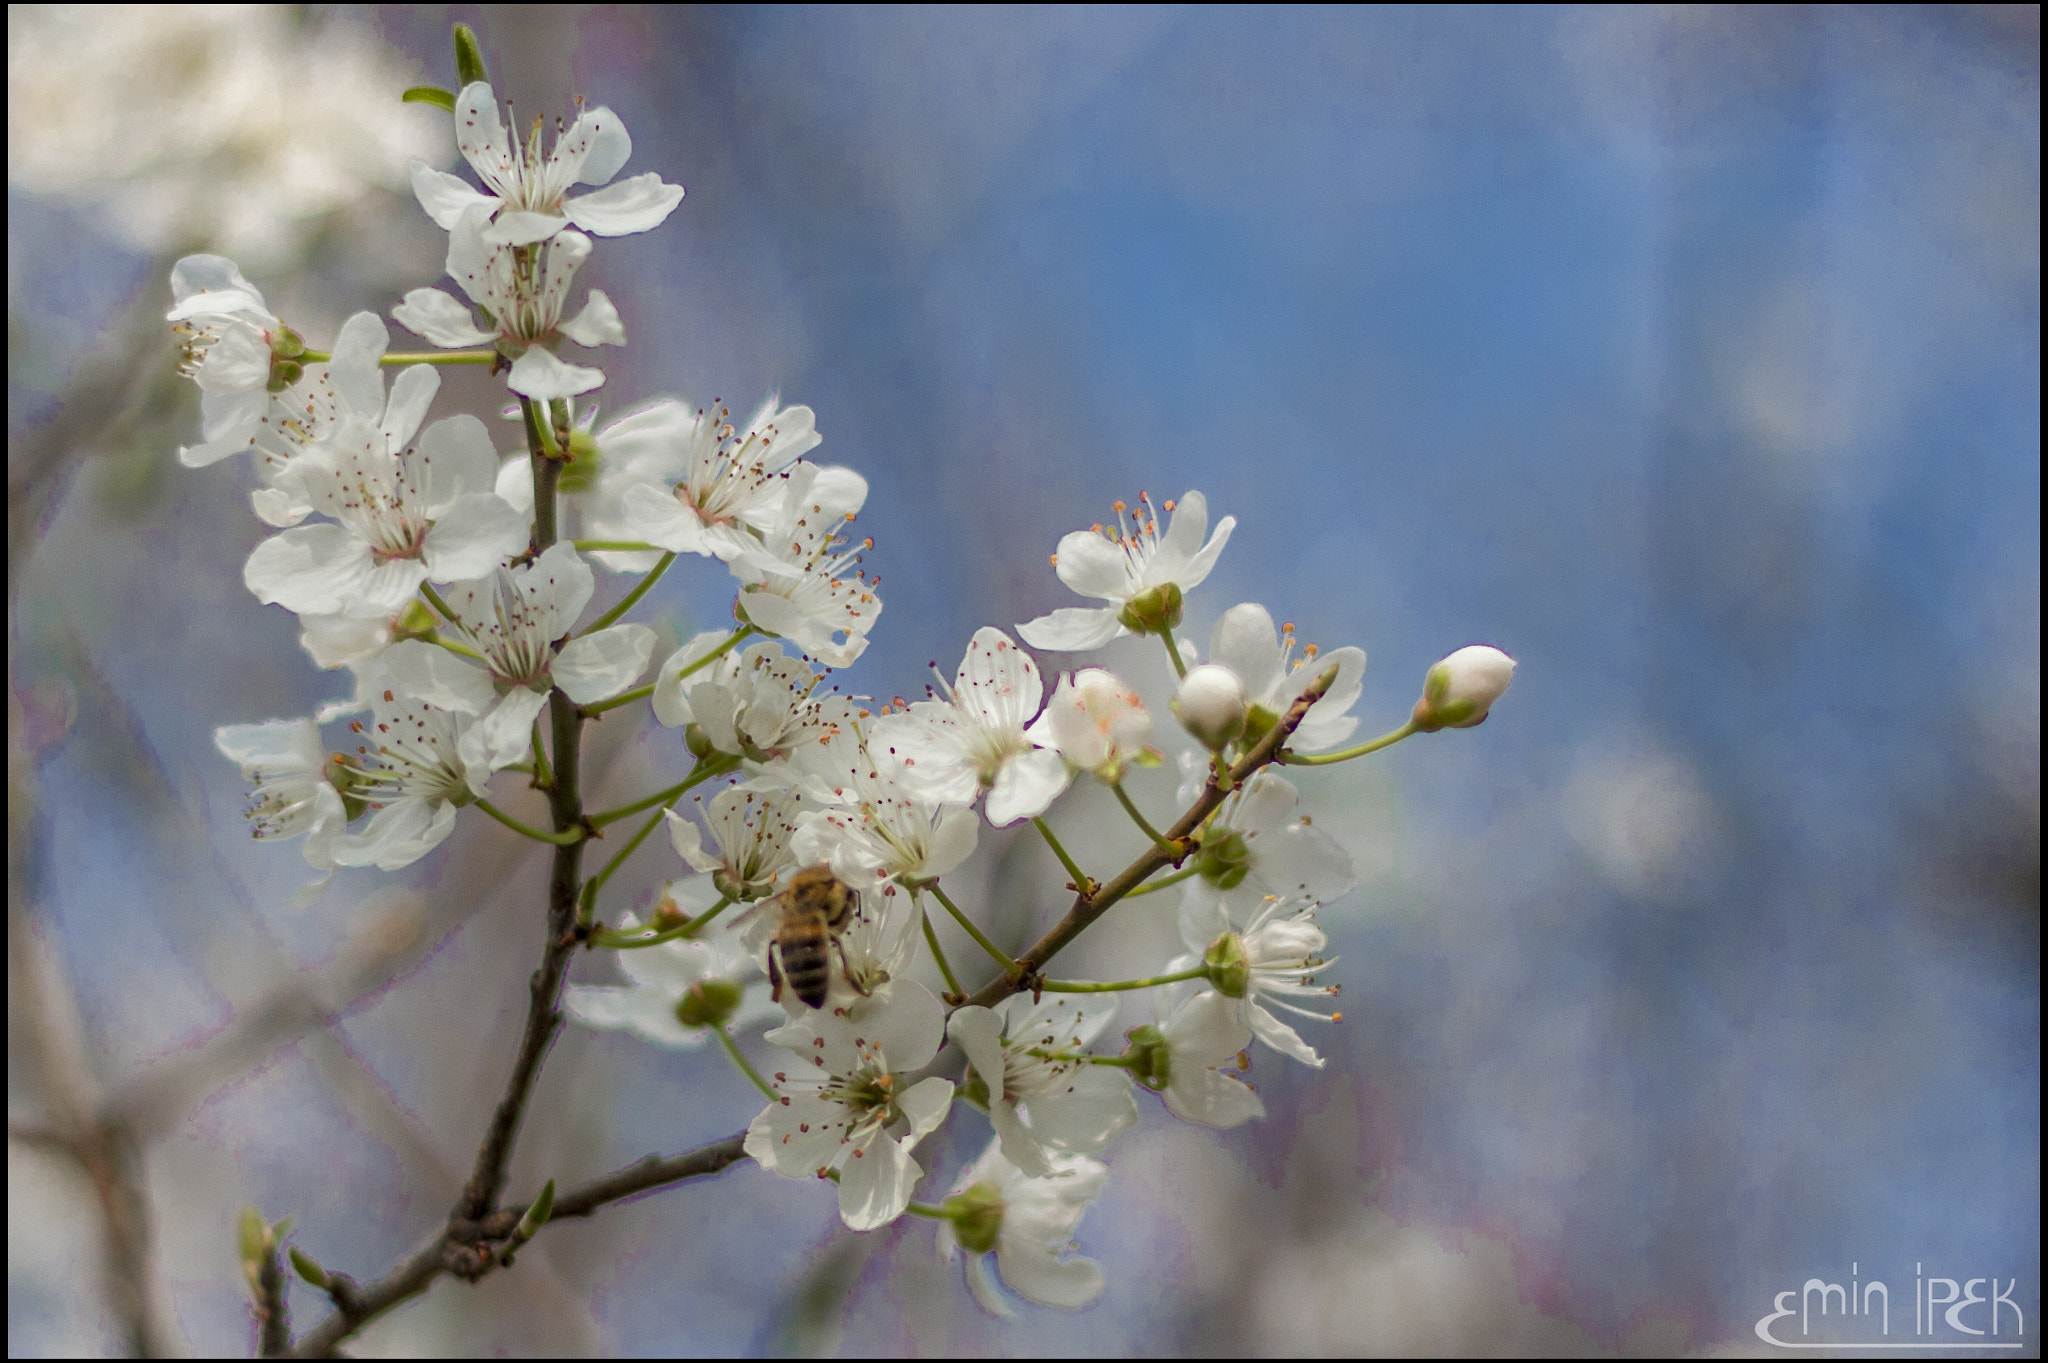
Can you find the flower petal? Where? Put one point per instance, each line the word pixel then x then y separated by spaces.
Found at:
pixel 634 205
pixel 598 323
pixel 539 375
pixel 979 1032
pixel 1071 629
pixel 1034 1273
pixel 1282 1038
pixel 355 371
pixel 440 678
pixel 308 568
pixel 875 1183
pixel 445 197
pixel 599 666
pixel 471 538
pixel 517 228
pixel 411 394
pixel 441 318
pixel 1026 785
pixel 1094 565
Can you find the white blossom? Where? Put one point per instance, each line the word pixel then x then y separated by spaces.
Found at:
pixel 1243 641
pixel 1045 1097
pixel 529 184
pixel 1133 559
pixel 1201 1033
pixel 513 618
pixel 800 582
pixel 1274 958
pixel 661 978
pixel 974 739
pixel 842 1103
pixel 1257 844
pixel 1036 1217
pixel 750 825
pixel 1460 690
pixel 1095 722
pixel 410 770
pixel 1210 705
pixel 873 829
pixel 760 703
pixel 293 791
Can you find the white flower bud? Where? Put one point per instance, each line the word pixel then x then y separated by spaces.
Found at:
pixel 1211 705
pixel 1462 688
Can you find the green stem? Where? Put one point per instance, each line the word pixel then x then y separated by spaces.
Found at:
pixel 738 634
pixel 642 692
pixel 596 882
pixel 1082 884
pixel 703 771
pixel 541 443
pixel 931 938
pixel 926 1209
pixel 434 600
pixel 598 707
pixel 1323 759
pixel 543 774
pixel 1144 825
pixel 413 357
pixel 732 1048
pixel 568 837
pixel 695 925
pixel 1180 669
pixel 1176 878
pixel 619 941
pixel 622 546
pixel 630 599
pixel 460 650
pixel 1113 986
pixel 972 931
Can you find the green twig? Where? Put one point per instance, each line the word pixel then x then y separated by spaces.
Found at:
pixel 1144 825
pixel 732 1048
pixel 717 765
pixel 1113 986
pixel 568 837
pixel 1176 878
pixel 1386 740
pixel 972 931
pixel 953 989
pixel 630 599
pixel 1082 884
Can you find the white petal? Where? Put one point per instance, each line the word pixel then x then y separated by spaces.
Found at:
pixel 539 375
pixel 398 835
pixel 1198 567
pixel 598 323
pixel 1326 724
pixel 875 1183
pixel 212 284
pixel 1071 629
pixel 1031 1272
pixel 1093 566
pixel 1019 1144
pixel 978 1284
pixel 355 372
pixel 515 483
pixel 308 568
pixel 1026 785
pixel 607 145
pixel 978 1031
pixel 1245 641
pixel 925 1105
pixel 671 696
pixel 1211 1099
pixel 599 666
pixel 1282 1038
pixel 952 842
pixel 1081 1118
pixel 472 537
pixel 458 459
pixel 910 1029
pixel 568 583
pixel 634 205
pixel 277 508
pixel 278 745
pixel 515 228
pixel 1305 860
pixel 411 394
pixel 656 516
pixel 444 196
pixel 440 318
pixel 442 679
pixel 1183 538
pixel 481 136
pixel 505 734
pixel 1206 1029
pixel 688 840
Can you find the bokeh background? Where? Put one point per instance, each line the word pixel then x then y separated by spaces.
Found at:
pixel 1690 355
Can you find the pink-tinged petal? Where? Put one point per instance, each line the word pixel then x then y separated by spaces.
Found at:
pixel 1092 565
pixel 1072 629
pixel 412 393
pixel 979 1032
pixel 1034 1273
pixel 1282 1038
pixel 539 375
pixel 599 666
pixel 1026 785
pixel 910 1029
pixel 445 197
pixel 1245 641
pixel 520 228
pixel 472 537
pixel 459 460
pixel 598 323
pixel 595 148
pixel 634 205
pixel 442 679
pixel 481 136
pixel 355 373
pixel 875 1183
pixel 440 318
pixel 307 569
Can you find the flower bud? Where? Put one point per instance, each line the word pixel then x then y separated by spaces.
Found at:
pixel 697 741
pixel 1462 688
pixel 1150 1062
pixel 709 1003
pixel 668 915
pixel 1152 610
pixel 977 1216
pixel 1225 858
pixel 415 621
pixel 1210 705
pixel 1230 969
pixel 307 1267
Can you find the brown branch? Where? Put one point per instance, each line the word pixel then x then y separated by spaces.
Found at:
pixel 463 1248
pixel 273 1311
pixel 1179 843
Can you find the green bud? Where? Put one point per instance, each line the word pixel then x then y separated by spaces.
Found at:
pixel 709 1003
pixel 1147 1056
pixel 977 1216
pixel 579 471
pixel 429 94
pixel 254 1237
pixel 697 741
pixel 536 1215
pixel 1225 858
pixel 1152 610
pixel 1230 970
pixel 469 60
pixel 1458 692
pixel 283 374
pixel 414 622
pixel 307 1267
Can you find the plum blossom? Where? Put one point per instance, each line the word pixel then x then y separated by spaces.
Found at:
pixel 1256 845
pixel 512 619
pixel 872 828
pixel 1460 690
pixel 974 738
pixel 694 483
pixel 1139 571
pixel 1243 641
pixel 1095 722
pixel 842 1101
pixel 798 582
pixel 529 184
pixel 677 990
pixel 1045 1098
pixel 869 959
pixel 1178 1059
pixel 403 514
pixel 761 704
pixel 409 768
pixel 750 825
pixel 523 290
pixel 227 334
pixel 294 794
pixel 1028 1221
pixel 1277 954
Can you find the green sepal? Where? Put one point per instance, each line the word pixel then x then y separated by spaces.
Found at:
pixel 469 59
pixel 709 1003
pixel 283 374
pixel 977 1216
pixel 1152 610
pixel 309 1268
pixel 1147 1056
pixel 429 94
pixel 1230 970
pixel 1225 859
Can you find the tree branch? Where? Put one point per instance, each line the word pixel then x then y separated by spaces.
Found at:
pixel 1175 848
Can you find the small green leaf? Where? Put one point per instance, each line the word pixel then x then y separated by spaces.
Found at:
pixel 309 1269
pixel 469 61
pixel 429 94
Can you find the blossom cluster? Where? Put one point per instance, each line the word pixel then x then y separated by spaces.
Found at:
pixel 441 572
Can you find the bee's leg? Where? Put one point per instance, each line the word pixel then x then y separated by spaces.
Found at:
pixel 847 970
pixel 774 975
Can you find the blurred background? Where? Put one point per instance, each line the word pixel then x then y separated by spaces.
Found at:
pixel 1692 356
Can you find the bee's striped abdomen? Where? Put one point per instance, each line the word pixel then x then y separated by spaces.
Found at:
pixel 807 965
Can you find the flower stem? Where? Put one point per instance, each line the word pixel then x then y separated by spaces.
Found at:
pixel 596 882
pixel 434 600
pixel 738 634
pixel 621 546
pixel 1144 825
pixel 619 941
pixel 1322 759
pixel 1110 987
pixel 598 707
pixel 568 837
pixel 1176 878
pixel 543 774
pixel 630 599
pixel 703 771
pixel 1180 669
pixel 972 931
pixel 691 928
pixel 926 1209
pixel 732 1048
pixel 412 357
pixel 931 939
pixel 1082 884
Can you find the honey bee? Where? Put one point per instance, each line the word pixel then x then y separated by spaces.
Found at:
pixel 810 915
